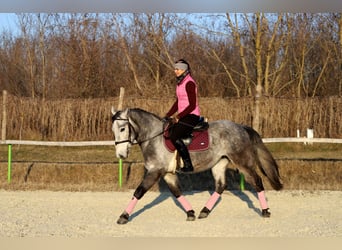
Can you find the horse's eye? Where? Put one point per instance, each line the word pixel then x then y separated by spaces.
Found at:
pixel 122 129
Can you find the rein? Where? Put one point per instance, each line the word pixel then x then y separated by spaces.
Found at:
pixel 148 139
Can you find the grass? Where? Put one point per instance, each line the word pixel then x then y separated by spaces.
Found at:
pixel 302 151
pixel 317 166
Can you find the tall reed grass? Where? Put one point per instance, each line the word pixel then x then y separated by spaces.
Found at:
pixel 90 119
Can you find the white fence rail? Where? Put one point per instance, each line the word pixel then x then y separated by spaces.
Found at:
pixel 59 143
pixel 300 139
pixel 111 143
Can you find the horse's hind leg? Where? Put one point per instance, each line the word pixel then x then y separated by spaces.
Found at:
pixel 255 180
pixel 173 184
pixel 149 180
pixel 219 174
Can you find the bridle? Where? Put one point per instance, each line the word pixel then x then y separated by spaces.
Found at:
pixel 131 128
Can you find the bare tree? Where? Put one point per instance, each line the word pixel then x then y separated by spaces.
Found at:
pixel 121 24
pixel 155 29
pixel 258 47
pixel 281 60
pixel 91 55
pixel 270 52
pixel 26 26
pixel 340 55
pixel 42 23
pixel 235 28
pixel 308 55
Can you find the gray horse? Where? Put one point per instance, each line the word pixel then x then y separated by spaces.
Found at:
pixel 231 146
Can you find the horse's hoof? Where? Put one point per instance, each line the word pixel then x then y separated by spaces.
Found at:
pixel 265 213
pixel 190 215
pixel 123 219
pixel 204 213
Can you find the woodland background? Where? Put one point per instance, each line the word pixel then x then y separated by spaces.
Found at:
pixel 63 71
pixel 87 55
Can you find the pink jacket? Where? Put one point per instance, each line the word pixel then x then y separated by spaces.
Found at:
pixel 182 97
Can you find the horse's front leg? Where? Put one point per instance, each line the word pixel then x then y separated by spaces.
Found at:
pixel 173 183
pixel 149 180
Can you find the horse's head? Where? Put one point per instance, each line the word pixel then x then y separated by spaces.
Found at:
pixel 123 132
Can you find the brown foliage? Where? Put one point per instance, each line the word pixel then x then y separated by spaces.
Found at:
pixel 91 55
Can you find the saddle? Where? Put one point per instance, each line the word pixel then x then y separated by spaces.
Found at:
pixel 197 140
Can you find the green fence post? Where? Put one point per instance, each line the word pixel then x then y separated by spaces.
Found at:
pixel 242 182
pixel 9 163
pixel 120 172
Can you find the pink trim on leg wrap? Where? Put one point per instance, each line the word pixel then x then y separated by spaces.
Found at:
pixel 262 200
pixel 185 204
pixel 131 205
pixel 212 200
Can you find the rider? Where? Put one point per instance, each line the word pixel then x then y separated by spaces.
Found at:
pixel 187 108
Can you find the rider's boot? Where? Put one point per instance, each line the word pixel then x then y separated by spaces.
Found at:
pixel 184 153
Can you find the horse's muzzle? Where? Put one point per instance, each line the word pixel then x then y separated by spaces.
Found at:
pixel 121 156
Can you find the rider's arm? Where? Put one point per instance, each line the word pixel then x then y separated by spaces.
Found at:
pixel 173 109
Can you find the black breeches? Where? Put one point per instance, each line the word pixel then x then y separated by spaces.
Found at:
pixel 184 127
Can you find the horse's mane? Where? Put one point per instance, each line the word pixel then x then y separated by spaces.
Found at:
pixel 139 110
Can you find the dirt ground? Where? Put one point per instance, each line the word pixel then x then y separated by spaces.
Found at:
pixel 94 214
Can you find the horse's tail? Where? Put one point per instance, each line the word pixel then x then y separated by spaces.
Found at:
pixel 265 160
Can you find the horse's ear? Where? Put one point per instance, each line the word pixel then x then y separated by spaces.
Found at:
pixel 113 110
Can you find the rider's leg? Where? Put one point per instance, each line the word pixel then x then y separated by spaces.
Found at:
pixel 184 153
pixel 180 130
